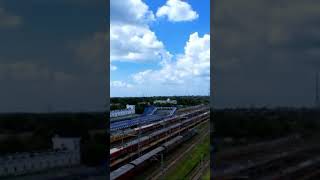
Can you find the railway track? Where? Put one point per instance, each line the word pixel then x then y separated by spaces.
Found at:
pixel 271 164
pixel 173 161
pixel 306 168
pixel 198 173
pixel 258 149
pixel 127 134
pixel 132 168
pixel 276 166
pixel 174 157
pixel 115 163
pixel 153 141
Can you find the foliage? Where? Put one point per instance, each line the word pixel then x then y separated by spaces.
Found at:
pixel 265 123
pixel 182 100
pixel 188 163
pixel 43 126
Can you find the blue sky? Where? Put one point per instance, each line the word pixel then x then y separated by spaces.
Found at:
pixel 167 39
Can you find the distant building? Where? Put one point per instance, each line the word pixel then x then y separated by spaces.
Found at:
pixel 65 152
pixel 168 101
pixel 130 109
pixel 143 103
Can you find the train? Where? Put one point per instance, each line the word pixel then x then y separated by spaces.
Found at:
pixel 129 170
pixel 133 145
pixel 119 125
pixel 145 128
pixel 121 135
pixel 116 153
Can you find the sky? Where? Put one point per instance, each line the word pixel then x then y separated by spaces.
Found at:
pixel 265 52
pixel 159 48
pixel 52 55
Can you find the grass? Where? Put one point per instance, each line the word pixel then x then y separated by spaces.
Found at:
pixel 190 161
pixel 167 159
pixel 206 176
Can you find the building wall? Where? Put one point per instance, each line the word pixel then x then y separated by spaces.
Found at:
pixel 17 165
pixel 26 163
pixel 168 101
pixel 130 109
pixel 71 144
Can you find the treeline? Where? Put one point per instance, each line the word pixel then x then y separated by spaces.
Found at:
pixel 70 123
pixel 264 123
pixel 120 102
pixel 43 127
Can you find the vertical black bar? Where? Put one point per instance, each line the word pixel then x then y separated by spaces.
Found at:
pixel 108 84
pixel 212 147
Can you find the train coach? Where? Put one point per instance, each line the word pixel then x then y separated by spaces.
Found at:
pixel 132 132
pixel 145 128
pixel 129 170
pixel 146 140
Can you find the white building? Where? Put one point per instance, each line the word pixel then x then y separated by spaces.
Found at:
pixel 130 109
pixel 65 152
pixel 168 101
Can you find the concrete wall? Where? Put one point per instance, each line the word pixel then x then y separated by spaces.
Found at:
pixel 130 109
pixel 66 153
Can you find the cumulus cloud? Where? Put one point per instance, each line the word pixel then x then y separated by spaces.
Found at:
pixel 131 38
pixel 8 20
pixel 194 63
pixel 130 12
pixel 177 10
pixel 134 43
pixel 141 76
pixel 120 84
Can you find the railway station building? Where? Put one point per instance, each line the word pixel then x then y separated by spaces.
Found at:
pixel 130 109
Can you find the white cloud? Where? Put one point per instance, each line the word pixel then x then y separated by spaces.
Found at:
pixel 140 77
pixel 194 63
pixel 120 84
pixel 134 43
pixel 130 12
pixel 131 38
pixel 196 59
pixel 177 10
pixel 113 67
